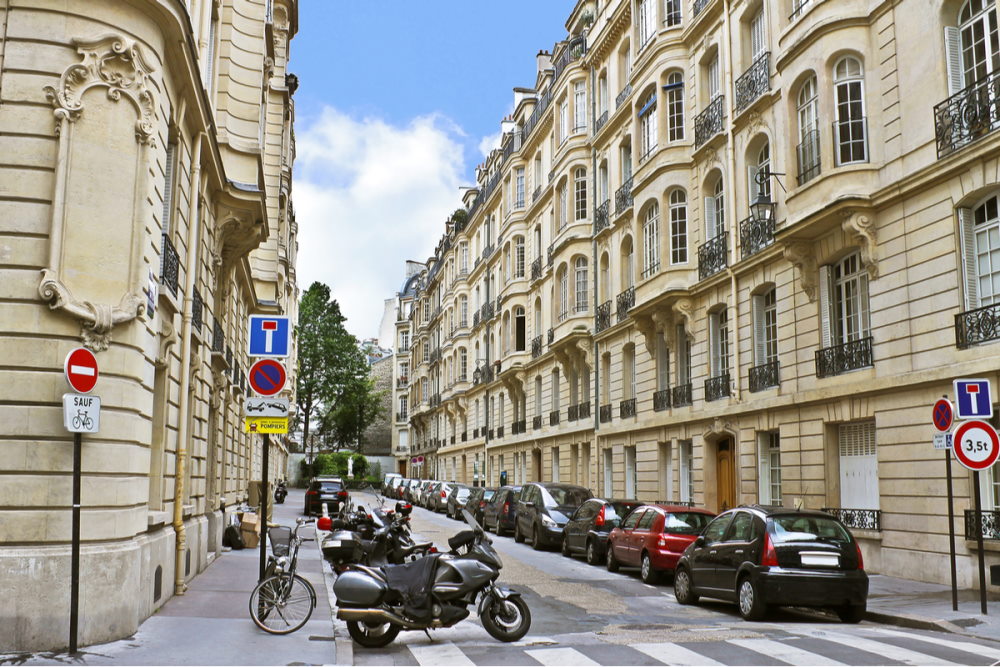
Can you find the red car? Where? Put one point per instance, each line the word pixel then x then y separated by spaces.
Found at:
pixel 653 537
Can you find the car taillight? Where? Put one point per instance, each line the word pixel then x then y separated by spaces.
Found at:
pixel 342 494
pixel 663 541
pixel 311 492
pixel 444 495
pixel 861 560
pixel 482 503
pixel 506 507
pixel 770 557
pixel 433 550
pixel 599 521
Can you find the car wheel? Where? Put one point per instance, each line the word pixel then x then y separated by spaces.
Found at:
pixel 649 575
pixel 536 539
pixel 593 557
pixel 565 547
pixel 851 613
pixel 752 606
pixel 683 590
pixel 518 537
pixel 612 563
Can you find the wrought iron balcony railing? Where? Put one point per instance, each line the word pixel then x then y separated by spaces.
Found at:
pixel 475 433
pixel 170 265
pixel 572 413
pixel 681 395
pixel 698 6
pixel 764 376
pixel 601 120
pixel 713 256
pixel 584 410
pixel 499 431
pixel 602 319
pixel 651 269
pixel 808 155
pixel 453 440
pixel 988 522
pixel 977 326
pixel 536 268
pixel 491 434
pixel 465 436
pixel 753 83
pixel 577 48
pixel 554 418
pixel 475 319
pixel 536 194
pixel 623 196
pixel 605 413
pixel 601 216
pixel 622 96
pixel 536 422
pixel 845 357
pixel 710 122
pixel 536 347
pixel 197 308
pixel 968 115
pixel 858 519
pixel 218 338
pixel 625 302
pixel 755 235
pixel 551 336
pixel 661 400
pixel 551 252
pixel 521 426
pixel 717 387
pixel 626 408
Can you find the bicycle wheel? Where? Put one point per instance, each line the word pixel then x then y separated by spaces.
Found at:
pixel 282 604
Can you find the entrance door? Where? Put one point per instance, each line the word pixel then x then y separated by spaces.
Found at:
pixel 536 465
pixel 724 475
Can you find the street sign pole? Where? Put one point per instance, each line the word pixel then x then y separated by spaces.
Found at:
pixel 979 542
pixel 951 532
pixel 263 507
pixel 74 577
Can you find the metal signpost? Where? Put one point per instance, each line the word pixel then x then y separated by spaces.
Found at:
pixel 943 416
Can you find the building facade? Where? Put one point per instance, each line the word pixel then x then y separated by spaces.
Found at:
pixel 146 198
pixel 402 368
pixel 730 252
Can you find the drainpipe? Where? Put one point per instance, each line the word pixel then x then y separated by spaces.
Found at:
pixel 731 200
pixel 194 228
pixel 595 271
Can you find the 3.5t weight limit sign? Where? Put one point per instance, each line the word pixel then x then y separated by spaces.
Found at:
pixel 977 445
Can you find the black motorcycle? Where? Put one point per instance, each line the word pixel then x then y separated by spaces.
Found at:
pixel 379 538
pixel 280 492
pixel 435 591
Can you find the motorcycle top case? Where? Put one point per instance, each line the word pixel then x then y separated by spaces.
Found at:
pixel 343 546
pixel 357 589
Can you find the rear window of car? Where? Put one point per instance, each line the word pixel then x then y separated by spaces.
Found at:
pixel 488 495
pixel 618 510
pixel 328 487
pixel 558 495
pixel 807 529
pixel 685 523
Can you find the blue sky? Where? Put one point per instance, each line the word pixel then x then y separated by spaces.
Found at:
pixel 396 104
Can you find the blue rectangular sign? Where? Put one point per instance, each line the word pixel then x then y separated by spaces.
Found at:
pixel 973 399
pixel 270 336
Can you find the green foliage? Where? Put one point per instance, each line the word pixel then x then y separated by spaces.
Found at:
pixel 376 471
pixel 360 465
pixel 356 408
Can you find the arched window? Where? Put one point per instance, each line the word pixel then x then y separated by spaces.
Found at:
pixel 675 106
pixel 715 219
pixel 580 193
pixel 851 128
pixel 678 227
pixel 808 148
pixel 980 46
pixel 605 277
pixel 628 264
pixel 651 241
pixel 581 284
pixel 519 334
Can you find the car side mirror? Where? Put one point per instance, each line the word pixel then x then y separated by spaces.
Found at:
pixel 529 503
pixel 699 541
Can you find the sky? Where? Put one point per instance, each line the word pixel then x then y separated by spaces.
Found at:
pixel 398 101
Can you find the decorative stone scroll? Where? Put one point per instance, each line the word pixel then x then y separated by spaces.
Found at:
pixel 803 257
pixel 861 230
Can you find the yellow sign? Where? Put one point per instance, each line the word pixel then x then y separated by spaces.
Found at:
pixel 266 424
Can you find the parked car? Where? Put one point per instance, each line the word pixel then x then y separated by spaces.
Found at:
pixel 329 490
pixel 500 512
pixel 761 556
pixel 388 479
pixel 437 497
pixel 479 498
pixel 653 537
pixel 587 530
pixel 456 500
pixel 425 491
pixel 413 491
pixel 543 508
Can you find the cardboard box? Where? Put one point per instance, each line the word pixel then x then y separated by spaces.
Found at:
pixel 251 540
pixel 250 521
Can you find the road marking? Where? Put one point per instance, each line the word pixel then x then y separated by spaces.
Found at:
pixel 785 652
pixel 439 654
pixel 534 641
pixel 673 654
pixel 967 647
pixel 883 650
pixel 560 656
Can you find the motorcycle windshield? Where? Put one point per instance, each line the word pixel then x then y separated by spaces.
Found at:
pixel 471 520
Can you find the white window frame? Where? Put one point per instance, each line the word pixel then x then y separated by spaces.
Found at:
pixel 718 331
pixel 579 106
pixel 675 106
pixel 651 240
pixel 580 270
pixel 687 470
pixel 580 194
pixel 850 126
pixel 519 188
pixel 758 35
pixel 609 473
pixel 631 473
pixel 648 126
pixel 678 227
pixel 769 460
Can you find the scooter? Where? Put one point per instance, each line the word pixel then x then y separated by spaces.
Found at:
pixel 435 591
pixel 280 492
pixel 376 539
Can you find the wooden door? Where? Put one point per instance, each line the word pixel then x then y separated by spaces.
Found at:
pixel 724 475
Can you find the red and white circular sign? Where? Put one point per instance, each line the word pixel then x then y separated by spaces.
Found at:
pixel 81 370
pixel 267 377
pixel 976 445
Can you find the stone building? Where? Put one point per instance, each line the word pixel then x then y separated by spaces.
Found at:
pixel 377 438
pixel 731 252
pixel 145 194
pixel 400 388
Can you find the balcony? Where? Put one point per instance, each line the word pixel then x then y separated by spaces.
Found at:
pixel 848 356
pixel 605 413
pixel 536 268
pixel 661 400
pixel 698 6
pixel 218 338
pixel 601 217
pixel 622 96
pixel 861 519
pixel 625 302
pixel 709 122
pixel 626 408
pixel 402 382
pixel 577 48
pixel 977 326
pixel 536 194
pixel 764 376
pixel 753 83
pixel 755 235
pixel 599 123
pixel 623 196
pixel 490 434
pixel 572 413
pixel 968 115
pixel 651 269
pixel 452 440
pixel 475 319
pixel 197 308
pixel 519 427
pixel 681 395
pixel 584 410
pixel 536 422
pixel 808 157
pixel 170 265
pixel 602 320
pixel 988 524
pixel 713 256
pixel 465 436
pixel 554 418
pixel 475 432
pixel 536 347
pixel 551 336
pixel 717 387
pixel 551 253
pixel 499 431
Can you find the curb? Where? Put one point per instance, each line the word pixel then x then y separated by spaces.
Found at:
pixel 343 645
pixel 917 623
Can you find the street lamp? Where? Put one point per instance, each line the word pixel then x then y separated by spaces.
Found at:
pixel 762 207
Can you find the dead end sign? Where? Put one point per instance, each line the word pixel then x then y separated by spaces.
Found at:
pixel 267 377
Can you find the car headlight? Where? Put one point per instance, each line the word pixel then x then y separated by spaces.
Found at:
pixel 548 522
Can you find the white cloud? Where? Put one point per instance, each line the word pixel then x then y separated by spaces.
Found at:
pixel 368 196
pixel 489 143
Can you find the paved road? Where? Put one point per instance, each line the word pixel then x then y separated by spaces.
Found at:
pixel 585 615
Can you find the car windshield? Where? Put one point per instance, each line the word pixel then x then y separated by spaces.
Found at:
pixel 807 529
pixel 488 495
pixel 685 523
pixel 557 496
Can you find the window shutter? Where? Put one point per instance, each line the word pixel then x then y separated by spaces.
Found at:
pixel 168 186
pixel 764 464
pixel 757 313
pixel 752 187
pixel 953 58
pixel 709 218
pixel 713 344
pixel 825 306
pixel 210 55
pixel 967 237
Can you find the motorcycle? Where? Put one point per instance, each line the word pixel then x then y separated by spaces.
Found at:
pixel 432 592
pixel 376 539
pixel 280 491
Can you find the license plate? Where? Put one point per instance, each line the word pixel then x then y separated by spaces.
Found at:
pixel 332 543
pixel 820 559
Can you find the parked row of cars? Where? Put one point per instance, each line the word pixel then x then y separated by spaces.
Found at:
pixel 757 556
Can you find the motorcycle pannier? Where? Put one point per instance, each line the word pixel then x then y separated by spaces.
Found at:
pixel 356 589
pixel 343 546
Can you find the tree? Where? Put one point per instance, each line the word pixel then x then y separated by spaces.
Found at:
pixel 355 409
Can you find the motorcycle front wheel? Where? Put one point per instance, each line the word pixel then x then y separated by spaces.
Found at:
pixel 372 635
pixel 507 620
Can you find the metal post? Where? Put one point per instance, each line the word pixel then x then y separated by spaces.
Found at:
pixel 74 590
pixel 263 507
pixel 951 532
pixel 979 542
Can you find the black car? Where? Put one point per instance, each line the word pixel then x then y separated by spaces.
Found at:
pixel 479 498
pixel 329 490
pixel 543 508
pixel 456 500
pixel 499 513
pixel 587 530
pixel 758 556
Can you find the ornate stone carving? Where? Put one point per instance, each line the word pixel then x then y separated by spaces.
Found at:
pixel 860 228
pixel 684 309
pixel 168 338
pixel 719 427
pixel 647 327
pixel 803 258
pixel 97 319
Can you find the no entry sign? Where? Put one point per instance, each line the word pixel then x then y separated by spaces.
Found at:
pixel 81 370
pixel 267 377
pixel 977 445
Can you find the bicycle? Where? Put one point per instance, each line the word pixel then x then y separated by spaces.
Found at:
pixel 283 601
pixel 82 420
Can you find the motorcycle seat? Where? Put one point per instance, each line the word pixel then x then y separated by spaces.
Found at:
pixel 461 539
